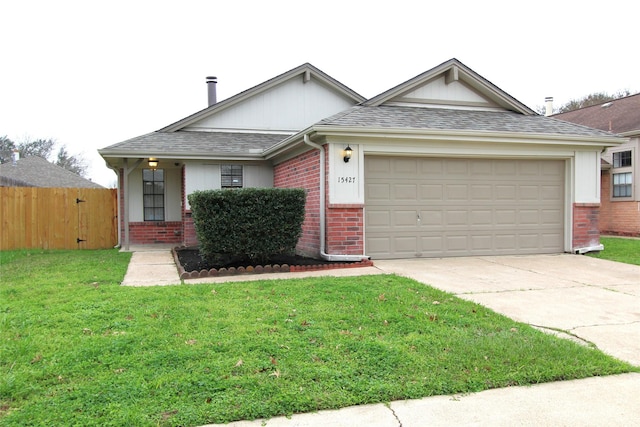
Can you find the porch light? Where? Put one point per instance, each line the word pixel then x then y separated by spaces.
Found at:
pixel 347 154
pixel 153 163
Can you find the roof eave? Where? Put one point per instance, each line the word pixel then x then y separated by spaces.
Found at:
pixel 191 155
pixel 466 135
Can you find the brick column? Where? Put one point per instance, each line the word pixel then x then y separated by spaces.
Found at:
pixel 586 232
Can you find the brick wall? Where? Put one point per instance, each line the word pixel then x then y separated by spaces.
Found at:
pixel 155 232
pixel 344 223
pixel 345 226
pixel 585 225
pixel 620 218
pixel 303 172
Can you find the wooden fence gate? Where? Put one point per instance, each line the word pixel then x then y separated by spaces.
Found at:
pixel 58 218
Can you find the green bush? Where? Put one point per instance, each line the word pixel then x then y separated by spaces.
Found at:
pixel 252 223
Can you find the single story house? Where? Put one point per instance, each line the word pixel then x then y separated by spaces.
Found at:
pixel 444 164
pixel 34 171
pixel 620 174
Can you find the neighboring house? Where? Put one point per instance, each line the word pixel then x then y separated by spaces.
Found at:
pixel 34 171
pixel 444 164
pixel 620 193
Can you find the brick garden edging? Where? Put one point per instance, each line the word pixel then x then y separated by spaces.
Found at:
pixel 260 269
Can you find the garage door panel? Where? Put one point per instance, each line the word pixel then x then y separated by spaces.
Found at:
pixel 403 192
pixel 552 193
pixel 431 218
pixel 506 192
pixel 380 192
pixel 378 219
pixel 481 193
pixel 482 217
pixel 456 207
pixel 431 192
pixel 529 192
pixel 551 241
pixel 506 217
pixel 402 218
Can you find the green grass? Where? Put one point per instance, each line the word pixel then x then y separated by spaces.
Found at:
pixel 78 349
pixel 619 249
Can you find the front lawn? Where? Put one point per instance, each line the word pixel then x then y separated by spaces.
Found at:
pixel 619 249
pixel 78 349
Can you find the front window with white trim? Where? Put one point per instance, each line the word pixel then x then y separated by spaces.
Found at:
pixel 622 175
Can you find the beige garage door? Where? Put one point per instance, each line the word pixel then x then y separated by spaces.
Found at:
pixel 432 207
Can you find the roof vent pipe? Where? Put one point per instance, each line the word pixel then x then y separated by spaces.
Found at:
pixel 211 89
pixel 548 103
pixel 15 156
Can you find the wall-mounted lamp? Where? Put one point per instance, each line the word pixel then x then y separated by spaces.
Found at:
pixel 347 154
pixel 153 163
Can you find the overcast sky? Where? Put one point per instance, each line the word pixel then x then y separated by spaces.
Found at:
pixel 90 74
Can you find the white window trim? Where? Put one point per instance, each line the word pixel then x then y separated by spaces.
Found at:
pixel 620 170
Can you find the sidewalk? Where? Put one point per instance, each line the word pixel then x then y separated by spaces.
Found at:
pixel 596 300
pixel 597 401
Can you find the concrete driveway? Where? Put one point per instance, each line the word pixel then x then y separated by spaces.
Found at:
pixel 596 300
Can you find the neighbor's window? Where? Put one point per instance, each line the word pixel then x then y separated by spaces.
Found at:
pixel 231 176
pixel 622 159
pixel 153 193
pixel 622 184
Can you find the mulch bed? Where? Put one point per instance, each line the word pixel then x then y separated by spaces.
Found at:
pixel 192 266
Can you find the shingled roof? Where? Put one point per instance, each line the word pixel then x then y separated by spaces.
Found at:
pixel 458 120
pixel 35 171
pixel 621 116
pixel 190 144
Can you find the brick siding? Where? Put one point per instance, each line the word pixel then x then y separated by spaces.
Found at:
pixel 345 226
pixel 618 218
pixel 344 223
pixel 155 232
pixel 303 172
pixel 585 225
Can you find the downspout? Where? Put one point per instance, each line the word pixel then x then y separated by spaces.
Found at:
pixel 325 256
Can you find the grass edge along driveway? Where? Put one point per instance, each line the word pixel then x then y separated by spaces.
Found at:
pixel 77 348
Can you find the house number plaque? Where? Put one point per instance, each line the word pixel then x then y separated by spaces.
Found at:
pixel 346 179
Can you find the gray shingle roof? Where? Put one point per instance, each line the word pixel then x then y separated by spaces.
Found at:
pixel 35 171
pixel 445 119
pixel 190 143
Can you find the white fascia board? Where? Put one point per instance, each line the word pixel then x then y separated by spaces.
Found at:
pixel 475 136
pixel 183 156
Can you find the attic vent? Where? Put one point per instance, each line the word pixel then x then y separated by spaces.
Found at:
pixel 606 105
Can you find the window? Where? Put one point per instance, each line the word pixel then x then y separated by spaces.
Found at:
pixel 622 184
pixel 153 193
pixel 231 176
pixel 622 159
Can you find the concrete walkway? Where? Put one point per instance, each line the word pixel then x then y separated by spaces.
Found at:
pixel 587 299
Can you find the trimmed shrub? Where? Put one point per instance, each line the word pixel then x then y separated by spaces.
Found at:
pixel 252 223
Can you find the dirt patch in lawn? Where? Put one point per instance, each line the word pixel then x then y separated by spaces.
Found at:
pixel 191 265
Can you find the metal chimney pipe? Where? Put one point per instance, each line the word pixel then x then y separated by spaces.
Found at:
pixel 15 156
pixel 548 105
pixel 211 89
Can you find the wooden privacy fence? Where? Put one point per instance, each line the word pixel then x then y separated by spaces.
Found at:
pixel 58 218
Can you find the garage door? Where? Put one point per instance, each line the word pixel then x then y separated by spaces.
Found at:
pixel 433 207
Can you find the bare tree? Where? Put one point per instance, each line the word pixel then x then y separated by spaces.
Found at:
pixel 75 164
pixel 37 147
pixel 6 149
pixel 595 98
